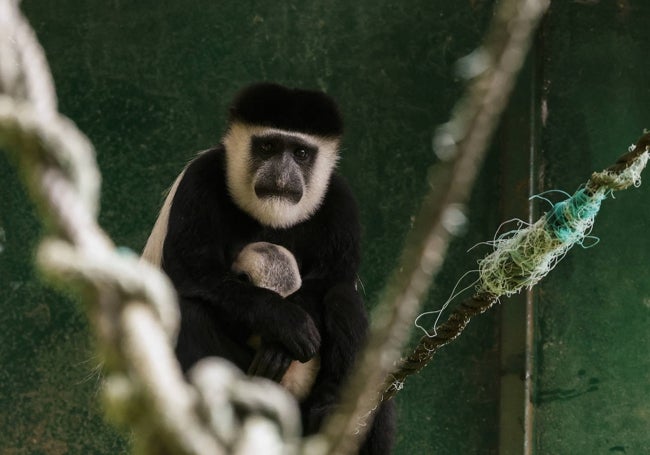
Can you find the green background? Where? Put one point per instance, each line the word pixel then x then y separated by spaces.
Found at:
pixel 149 83
pixel 592 388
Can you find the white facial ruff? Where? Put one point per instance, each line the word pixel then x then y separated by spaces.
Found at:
pixel 275 212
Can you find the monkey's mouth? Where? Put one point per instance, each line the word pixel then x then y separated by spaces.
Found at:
pixel 288 194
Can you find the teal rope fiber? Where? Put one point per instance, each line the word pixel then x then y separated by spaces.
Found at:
pixel 524 257
pixel 568 219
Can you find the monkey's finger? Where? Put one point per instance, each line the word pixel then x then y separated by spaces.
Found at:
pixel 265 365
pixel 304 344
pixel 302 341
pixel 252 369
pixel 281 365
pixel 275 364
pixel 269 362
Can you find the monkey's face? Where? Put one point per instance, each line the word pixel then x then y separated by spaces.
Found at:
pixel 282 166
pixel 269 266
pixel 278 177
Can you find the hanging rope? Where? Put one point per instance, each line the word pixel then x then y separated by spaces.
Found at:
pixel 524 257
pixel 461 145
pixel 132 305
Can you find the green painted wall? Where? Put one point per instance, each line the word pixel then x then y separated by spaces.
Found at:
pixel 149 83
pixel 593 313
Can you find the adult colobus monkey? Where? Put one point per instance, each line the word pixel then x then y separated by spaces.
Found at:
pixel 270 180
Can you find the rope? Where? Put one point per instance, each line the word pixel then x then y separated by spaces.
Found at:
pixel 461 145
pixel 524 257
pixel 133 308
pixel 131 304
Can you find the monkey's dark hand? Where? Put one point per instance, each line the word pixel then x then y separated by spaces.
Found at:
pixel 271 361
pixel 294 329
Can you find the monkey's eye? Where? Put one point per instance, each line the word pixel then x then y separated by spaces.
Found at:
pixel 245 277
pixel 266 147
pixel 300 154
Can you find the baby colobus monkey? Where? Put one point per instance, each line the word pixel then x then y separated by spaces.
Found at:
pixel 273 267
pixel 271 179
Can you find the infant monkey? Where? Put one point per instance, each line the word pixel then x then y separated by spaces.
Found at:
pixel 273 267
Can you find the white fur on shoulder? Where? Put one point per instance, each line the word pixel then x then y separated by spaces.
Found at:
pixel 152 252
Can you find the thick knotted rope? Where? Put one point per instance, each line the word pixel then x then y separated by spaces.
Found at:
pixel 131 304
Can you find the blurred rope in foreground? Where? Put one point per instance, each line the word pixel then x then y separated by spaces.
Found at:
pixel 132 305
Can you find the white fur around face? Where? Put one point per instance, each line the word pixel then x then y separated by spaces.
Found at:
pixel 276 212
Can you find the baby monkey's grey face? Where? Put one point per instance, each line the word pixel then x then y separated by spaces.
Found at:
pixel 269 266
pixel 282 166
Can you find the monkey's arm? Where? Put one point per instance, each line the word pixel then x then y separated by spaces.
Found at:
pixel 328 293
pixel 335 258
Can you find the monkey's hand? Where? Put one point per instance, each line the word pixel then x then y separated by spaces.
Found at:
pixel 271 361
pixel 291 327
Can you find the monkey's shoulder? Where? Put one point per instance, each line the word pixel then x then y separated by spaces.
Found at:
pixel 208 166
pixel 339 201
pixel 204 180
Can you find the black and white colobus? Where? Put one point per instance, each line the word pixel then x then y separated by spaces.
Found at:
pixel 270 180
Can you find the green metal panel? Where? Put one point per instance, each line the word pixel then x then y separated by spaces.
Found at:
pixel 149 83
pixel 593 312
